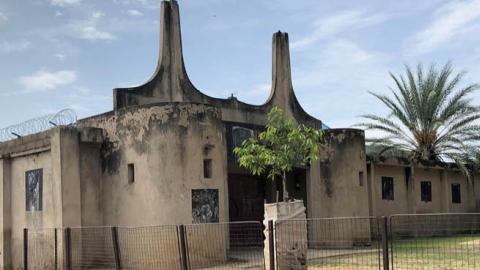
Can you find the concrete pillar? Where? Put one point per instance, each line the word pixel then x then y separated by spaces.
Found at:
pixel 314 191
pixel 445 191
pixel 170 80
pixel 66 176
pixel 290 247
pixel 5 214
pixel 282 88
pixel 476 191
pixel 411 196
pixel 372 194
pixel 472 202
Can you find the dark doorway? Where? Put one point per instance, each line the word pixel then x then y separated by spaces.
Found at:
pixel 248 194
pixel 246 197
pixel 297 185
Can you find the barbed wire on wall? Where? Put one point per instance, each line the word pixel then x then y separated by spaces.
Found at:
pixel 66 117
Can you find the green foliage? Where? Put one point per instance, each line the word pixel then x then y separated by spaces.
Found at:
pixel 431 118
pixel 280 147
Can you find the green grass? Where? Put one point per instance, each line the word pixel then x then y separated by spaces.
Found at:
pixel 460 252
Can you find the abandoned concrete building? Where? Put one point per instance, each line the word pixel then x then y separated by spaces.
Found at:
pixel 163 155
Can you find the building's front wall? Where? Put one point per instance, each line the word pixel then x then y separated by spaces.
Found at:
pixel 399 203
pixel 467 193
pixel 340 185
pixel 441 180
pixel 167 145
pixel 21 218
pixel 434 176
pixel 165 130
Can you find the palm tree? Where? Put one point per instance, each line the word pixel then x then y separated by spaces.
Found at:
pixel 431 119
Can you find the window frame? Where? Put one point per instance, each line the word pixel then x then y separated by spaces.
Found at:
pixel 454 200
pixel 131 173
pixel 426 197
pixel 207 168
pixel 390 196
pixel 27 188
pixel 361 177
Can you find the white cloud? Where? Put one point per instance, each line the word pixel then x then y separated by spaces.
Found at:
pixel 338 75
pixel 92 33
pixel 88 29
pixel 147 4
pixel 44 80
pixel 7 47
pixel 63 3
pixel 3 17
pixel 97 14
pixel 259 91
pixel 338 23
pixel 451 20
pixel 134 13
pixel 60 56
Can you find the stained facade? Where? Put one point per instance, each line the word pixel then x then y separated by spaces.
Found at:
pixel 163 155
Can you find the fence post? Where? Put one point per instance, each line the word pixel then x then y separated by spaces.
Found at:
pixel 116 248
pixel 68 249
pixel 25 248
pixel 385 250
pixel 55 248
pixel 271 245
pixel 183 247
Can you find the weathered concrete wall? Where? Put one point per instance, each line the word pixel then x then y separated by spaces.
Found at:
pixel 26 219
pixel 91 185
pixel 5 214
pixel 167 144
pixel 441 180
pixel 57 153
pixel 343 159
pixel 66 175
pixel 434 176
pixel 466 190
pixel 399 204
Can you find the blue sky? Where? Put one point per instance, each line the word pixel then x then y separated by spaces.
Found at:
pixel 57 54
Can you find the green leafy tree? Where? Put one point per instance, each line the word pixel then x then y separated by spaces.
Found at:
pixel 431 117
pixel 280 147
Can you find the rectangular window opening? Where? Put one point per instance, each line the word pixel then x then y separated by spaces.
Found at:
pixel 207 168
pixel 360 178
pixel 131 173
pixel 456 194
pixel 426 191
pixel 33 190
pixel 387 188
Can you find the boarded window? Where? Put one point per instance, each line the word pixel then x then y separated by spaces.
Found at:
pixel 387 188
pixel 240 134
pixel 456 194
pixel 360 178
pixel 205 205
pixel 33 190
pixel 131 173
pixel 207 168
pixel 426 191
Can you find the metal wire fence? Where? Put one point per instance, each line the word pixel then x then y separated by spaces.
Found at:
pixel 91 248
pixel 43 248
pixel 329 243
pixel 153 247
pixel 225 246
pixel 401 242
pixel 198 246
pixel 440 241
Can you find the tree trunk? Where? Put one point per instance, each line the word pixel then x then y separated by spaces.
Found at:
pixel 284 185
